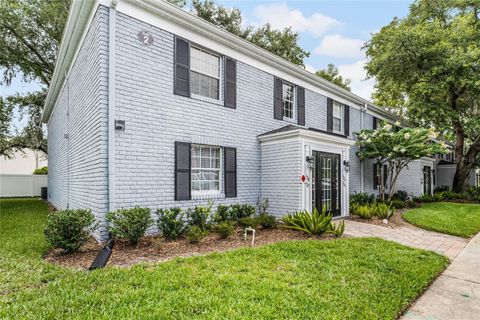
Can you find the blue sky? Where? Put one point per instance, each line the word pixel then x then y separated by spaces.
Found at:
pixel 333 31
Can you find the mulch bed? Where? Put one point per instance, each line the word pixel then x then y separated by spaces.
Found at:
pixel 157 249
pixel 393 223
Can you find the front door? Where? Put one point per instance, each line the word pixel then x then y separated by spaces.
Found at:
pixel 427 180
pixel 326 182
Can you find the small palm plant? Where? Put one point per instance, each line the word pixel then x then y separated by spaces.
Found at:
pixel 313 223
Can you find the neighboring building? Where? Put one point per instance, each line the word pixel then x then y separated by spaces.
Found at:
pixel 23 162
pixel 152 106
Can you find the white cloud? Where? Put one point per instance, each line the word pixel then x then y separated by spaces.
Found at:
pixel 279 15
pixel 310 68
pixel 357 74
pixel 338 46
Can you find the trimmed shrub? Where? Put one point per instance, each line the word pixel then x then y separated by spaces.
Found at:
pixel 170 222
pixel 267 221
pixel 398 204
pixel 412 204
pixel 130 224
pixel 441 189
pixel 362 198
pixel 199 216
pixel 400 195
pixel 313 223
pixel 249 222
pixel 222 214
pixel 195 234
pixel 239 211
pixel 262 206
pixel 42 170
pixel 69 229
pixel 224 229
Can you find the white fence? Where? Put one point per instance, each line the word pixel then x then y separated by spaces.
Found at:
pixel 22 185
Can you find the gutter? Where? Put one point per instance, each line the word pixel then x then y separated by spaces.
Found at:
pixel 112 22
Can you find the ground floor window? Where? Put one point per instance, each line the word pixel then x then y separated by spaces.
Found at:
pixel 206 169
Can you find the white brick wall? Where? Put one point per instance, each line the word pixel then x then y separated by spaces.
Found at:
pixel 78 164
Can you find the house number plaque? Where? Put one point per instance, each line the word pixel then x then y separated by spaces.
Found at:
pixel 145 38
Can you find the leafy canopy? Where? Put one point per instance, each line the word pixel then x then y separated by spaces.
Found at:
pixel 332 74
pixel 396 149
pixel 283 43
pixel 427 67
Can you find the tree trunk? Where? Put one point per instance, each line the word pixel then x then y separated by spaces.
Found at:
pixel 465 162
pixel 461 176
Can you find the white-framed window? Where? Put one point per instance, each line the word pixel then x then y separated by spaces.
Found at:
pixel 204 73
pixel 288 100
pixel 337 114
pixel 206 169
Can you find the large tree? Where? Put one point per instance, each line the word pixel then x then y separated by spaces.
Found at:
pixel 283 43
pixel 332 74
pixel 30 34
pixel 427 65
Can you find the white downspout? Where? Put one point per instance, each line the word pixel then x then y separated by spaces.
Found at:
pixel 362 180
pixel 111 105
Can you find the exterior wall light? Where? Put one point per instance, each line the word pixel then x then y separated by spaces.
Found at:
pixel 346 164
pixel 310 161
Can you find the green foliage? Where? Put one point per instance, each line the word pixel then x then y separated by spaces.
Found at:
pixel 262 206
pixel 396 149
pixel 337 229
pixel 199 216
pixel 400 195
pixel 69 229
pixel 382 210
pixel 331 74
pixel 283 43
pixel 224 229
pixel 170 222
pixel 222 214
pixel 239 211
pixel 361 198
pixel 412 204
pixel 313 223
pixel 42 170
pixel 426 65
pixel 363 211
pixel 195 234
pixel 251 222
pixel 130 223
pixel 267 221
pixel 398 204
pixel 441 188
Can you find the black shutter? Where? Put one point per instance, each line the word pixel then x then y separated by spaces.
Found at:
pixel 346 120
pixel 182 170
pixel 278 99
pixel 301 105
pixel 385 174
pixel 375 177
pixel 230 167
pixel 374 124
pixel 329 114
pixel 182 68
pixel 230 98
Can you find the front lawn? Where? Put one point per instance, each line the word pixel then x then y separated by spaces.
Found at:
pixel 458 219
pixel 338 279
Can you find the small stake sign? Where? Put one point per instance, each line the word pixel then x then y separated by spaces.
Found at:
pixel 145 38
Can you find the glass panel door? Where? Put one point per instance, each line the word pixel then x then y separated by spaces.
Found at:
pixel 326 177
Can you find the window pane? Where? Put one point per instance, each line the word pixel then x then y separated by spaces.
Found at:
pixel 288 100
pixel 337 124
pixel 206 168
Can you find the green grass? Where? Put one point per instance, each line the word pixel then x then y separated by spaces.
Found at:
pixel 458 219
pixel 339 279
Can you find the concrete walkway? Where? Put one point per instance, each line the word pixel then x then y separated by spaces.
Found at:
pixel 447 245
pixel 455 295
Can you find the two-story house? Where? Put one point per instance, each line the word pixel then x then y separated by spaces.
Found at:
pixel 152 106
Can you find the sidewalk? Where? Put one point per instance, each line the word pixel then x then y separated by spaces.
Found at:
pixel 455 295
pixel 444 244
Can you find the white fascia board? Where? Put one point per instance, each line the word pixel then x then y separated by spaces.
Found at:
pixel 184 24
pixel 280 137
pixel 177 21
pixel 78 21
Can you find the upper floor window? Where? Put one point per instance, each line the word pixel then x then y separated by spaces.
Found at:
pixel 288 100
pixel 206 165
pixel 204 73
pixel 337 117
